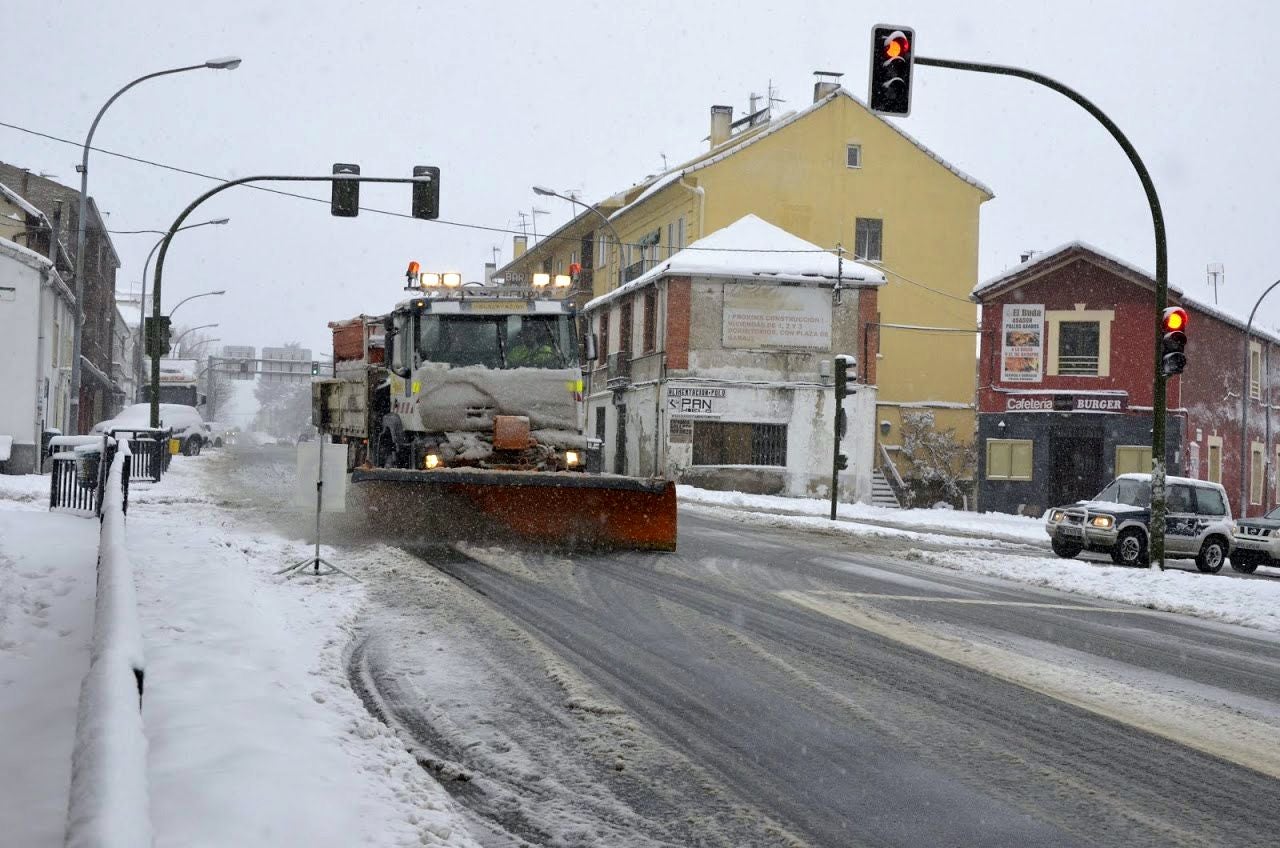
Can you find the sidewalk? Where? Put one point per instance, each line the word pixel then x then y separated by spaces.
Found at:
pixel 47 582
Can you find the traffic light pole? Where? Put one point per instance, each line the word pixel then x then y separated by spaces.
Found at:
pixel 1159 399
pixel 177 225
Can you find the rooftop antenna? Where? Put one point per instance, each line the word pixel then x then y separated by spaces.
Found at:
pixel 664 161
pixel 773 98
pixel 1217 276
pixel 496 250
pixel 524 223
pixel 533 218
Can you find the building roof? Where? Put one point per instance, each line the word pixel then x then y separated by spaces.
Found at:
pixel 656 183
pixel 130 310
pixel 752 248
pixel 1024 271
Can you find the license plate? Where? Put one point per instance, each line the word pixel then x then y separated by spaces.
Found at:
pixel 1071 530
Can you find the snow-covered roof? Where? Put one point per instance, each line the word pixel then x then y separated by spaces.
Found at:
pixel 20 202
pixel 988 287
pixel 752 248
pixel 130 310
pixel 24 254
pixel 748 138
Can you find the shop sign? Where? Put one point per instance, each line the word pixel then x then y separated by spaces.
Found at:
pixel 1066 403
pixel 680 431
pixel 773 316
pixel 695 400
pixel 1022 343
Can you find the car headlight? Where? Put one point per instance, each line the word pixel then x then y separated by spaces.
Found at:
pixel 1237 530
pixel 1103 521
pixel 572 458
pixel 1057 515
pixel 431 461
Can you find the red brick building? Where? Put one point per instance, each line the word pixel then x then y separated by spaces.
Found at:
pixel 1065 386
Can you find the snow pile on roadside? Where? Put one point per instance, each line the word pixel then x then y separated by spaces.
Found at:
pixel 989 525
pixel 46 616
pixel 1252 603
pixel 255 736
pixel 26 489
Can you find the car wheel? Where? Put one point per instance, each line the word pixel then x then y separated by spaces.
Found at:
pixel 1244 563
pixel 1066 550
pixel 1213 553
pixel 1130 549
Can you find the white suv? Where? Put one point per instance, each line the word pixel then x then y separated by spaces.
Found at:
pixel 1197 522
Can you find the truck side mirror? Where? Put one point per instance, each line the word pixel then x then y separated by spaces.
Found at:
pixel 589 352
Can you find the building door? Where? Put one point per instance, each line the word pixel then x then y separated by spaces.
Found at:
pixel 1078 469
pixel 620 443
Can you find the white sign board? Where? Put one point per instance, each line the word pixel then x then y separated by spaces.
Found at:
pixel 1022 343
pixel 696 400
pixel 334 493
pixel 774 316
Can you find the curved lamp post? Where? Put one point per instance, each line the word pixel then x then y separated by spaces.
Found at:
pixel 185 332
pixel 546 192
pixel 193 297
pixel 227 63
pixel 1245 398
pixel 142 302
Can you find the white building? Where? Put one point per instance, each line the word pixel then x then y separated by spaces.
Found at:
pixel 714 368
pixel 36 313
pixel 125 352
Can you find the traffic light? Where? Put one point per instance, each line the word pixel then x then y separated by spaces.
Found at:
pixel 315 368
pixel 426 193
pixel 344 200
pixel 154 333
pixel 892 51
pixel 1173 341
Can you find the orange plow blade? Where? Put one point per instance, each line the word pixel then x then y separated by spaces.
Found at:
pixel 561 509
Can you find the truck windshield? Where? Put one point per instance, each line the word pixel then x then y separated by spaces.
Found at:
pixel 497 341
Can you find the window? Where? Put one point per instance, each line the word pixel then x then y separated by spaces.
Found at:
pixel 650 320
pixel 680 233
pixel 853 156
pixel 1008 459
pixel 1127 491
pixel 1257 462
pixel 671 238
pixel 1210 501
pixel 1133 459
pixel 1078 347
pixel 1255 372
pixel 625 328
pixel 868 238
pixel 602 251
pixel 730 443
pixel 604 338
pixel 1213 467
pixel 1182 499
pixel 573 257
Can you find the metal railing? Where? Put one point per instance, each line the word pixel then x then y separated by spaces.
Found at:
pixel 150 451
pixel 892 476
pixel 78 477
pixel 1080 366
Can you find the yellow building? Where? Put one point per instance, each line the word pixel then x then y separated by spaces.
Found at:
pixel 834 174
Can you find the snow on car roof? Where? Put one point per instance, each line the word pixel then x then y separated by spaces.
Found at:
pixel 1190 481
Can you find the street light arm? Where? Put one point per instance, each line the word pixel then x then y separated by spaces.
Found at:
pixel 617 238
pixel 1245 397
pixel 84 159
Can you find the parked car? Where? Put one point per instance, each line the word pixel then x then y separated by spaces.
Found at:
pixel 1198 522
pixel 185 421
pixel 1257 542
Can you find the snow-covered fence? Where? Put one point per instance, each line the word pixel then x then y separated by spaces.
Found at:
pixel 109 801
pixel 150 449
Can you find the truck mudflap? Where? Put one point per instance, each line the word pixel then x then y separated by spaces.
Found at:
pixel 560 509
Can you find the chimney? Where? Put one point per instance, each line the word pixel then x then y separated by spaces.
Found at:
pixel 490 268
pixel 1026 254
pixel 825 82
pixel 721 118
pixel 519 244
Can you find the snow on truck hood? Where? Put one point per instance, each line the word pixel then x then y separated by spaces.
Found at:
pixel 467 398
pixel 1108 506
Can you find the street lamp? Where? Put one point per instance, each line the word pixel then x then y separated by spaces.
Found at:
pixel 142 304
pixel 1245 397
pixel 225 63
pixel 193 297
pixel 546 192
pixel 185 332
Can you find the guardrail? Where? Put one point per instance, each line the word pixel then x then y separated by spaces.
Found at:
pixel 78 473
pixel 894 478
pixel 150 450
pixel 109 804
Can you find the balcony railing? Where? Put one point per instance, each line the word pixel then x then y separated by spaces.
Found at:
pixel 1078 366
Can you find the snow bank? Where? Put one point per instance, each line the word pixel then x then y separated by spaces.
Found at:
pixel 30 489
pixel 1249 601
pixel 989 525
pixel 109 801
pixel 255 736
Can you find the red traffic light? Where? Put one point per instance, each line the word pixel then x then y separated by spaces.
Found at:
pixel 1175 320
pixel 896 46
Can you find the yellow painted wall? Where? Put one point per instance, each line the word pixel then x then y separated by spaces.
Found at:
pixel 797 179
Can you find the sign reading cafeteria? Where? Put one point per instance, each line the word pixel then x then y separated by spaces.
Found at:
pixel 776 317
pixel 1066 403
pixel 1022 343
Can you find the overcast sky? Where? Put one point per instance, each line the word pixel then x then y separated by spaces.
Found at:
pixel 588 96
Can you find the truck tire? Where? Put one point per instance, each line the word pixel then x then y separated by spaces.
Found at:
pixel 1244 563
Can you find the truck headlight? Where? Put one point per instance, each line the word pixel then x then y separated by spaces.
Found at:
pixel 431 461
pixel 572 458
pixel 1057 515
pixel 1103 521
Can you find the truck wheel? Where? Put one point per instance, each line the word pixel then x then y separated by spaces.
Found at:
pixel 1213 553
pixel 390 455
pixel 1244 563
pixel 1130 549
pixel 1066 550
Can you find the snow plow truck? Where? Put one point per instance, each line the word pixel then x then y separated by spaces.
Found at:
pixel 462 415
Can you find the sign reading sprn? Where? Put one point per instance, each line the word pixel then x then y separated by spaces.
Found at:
pixel 776 317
